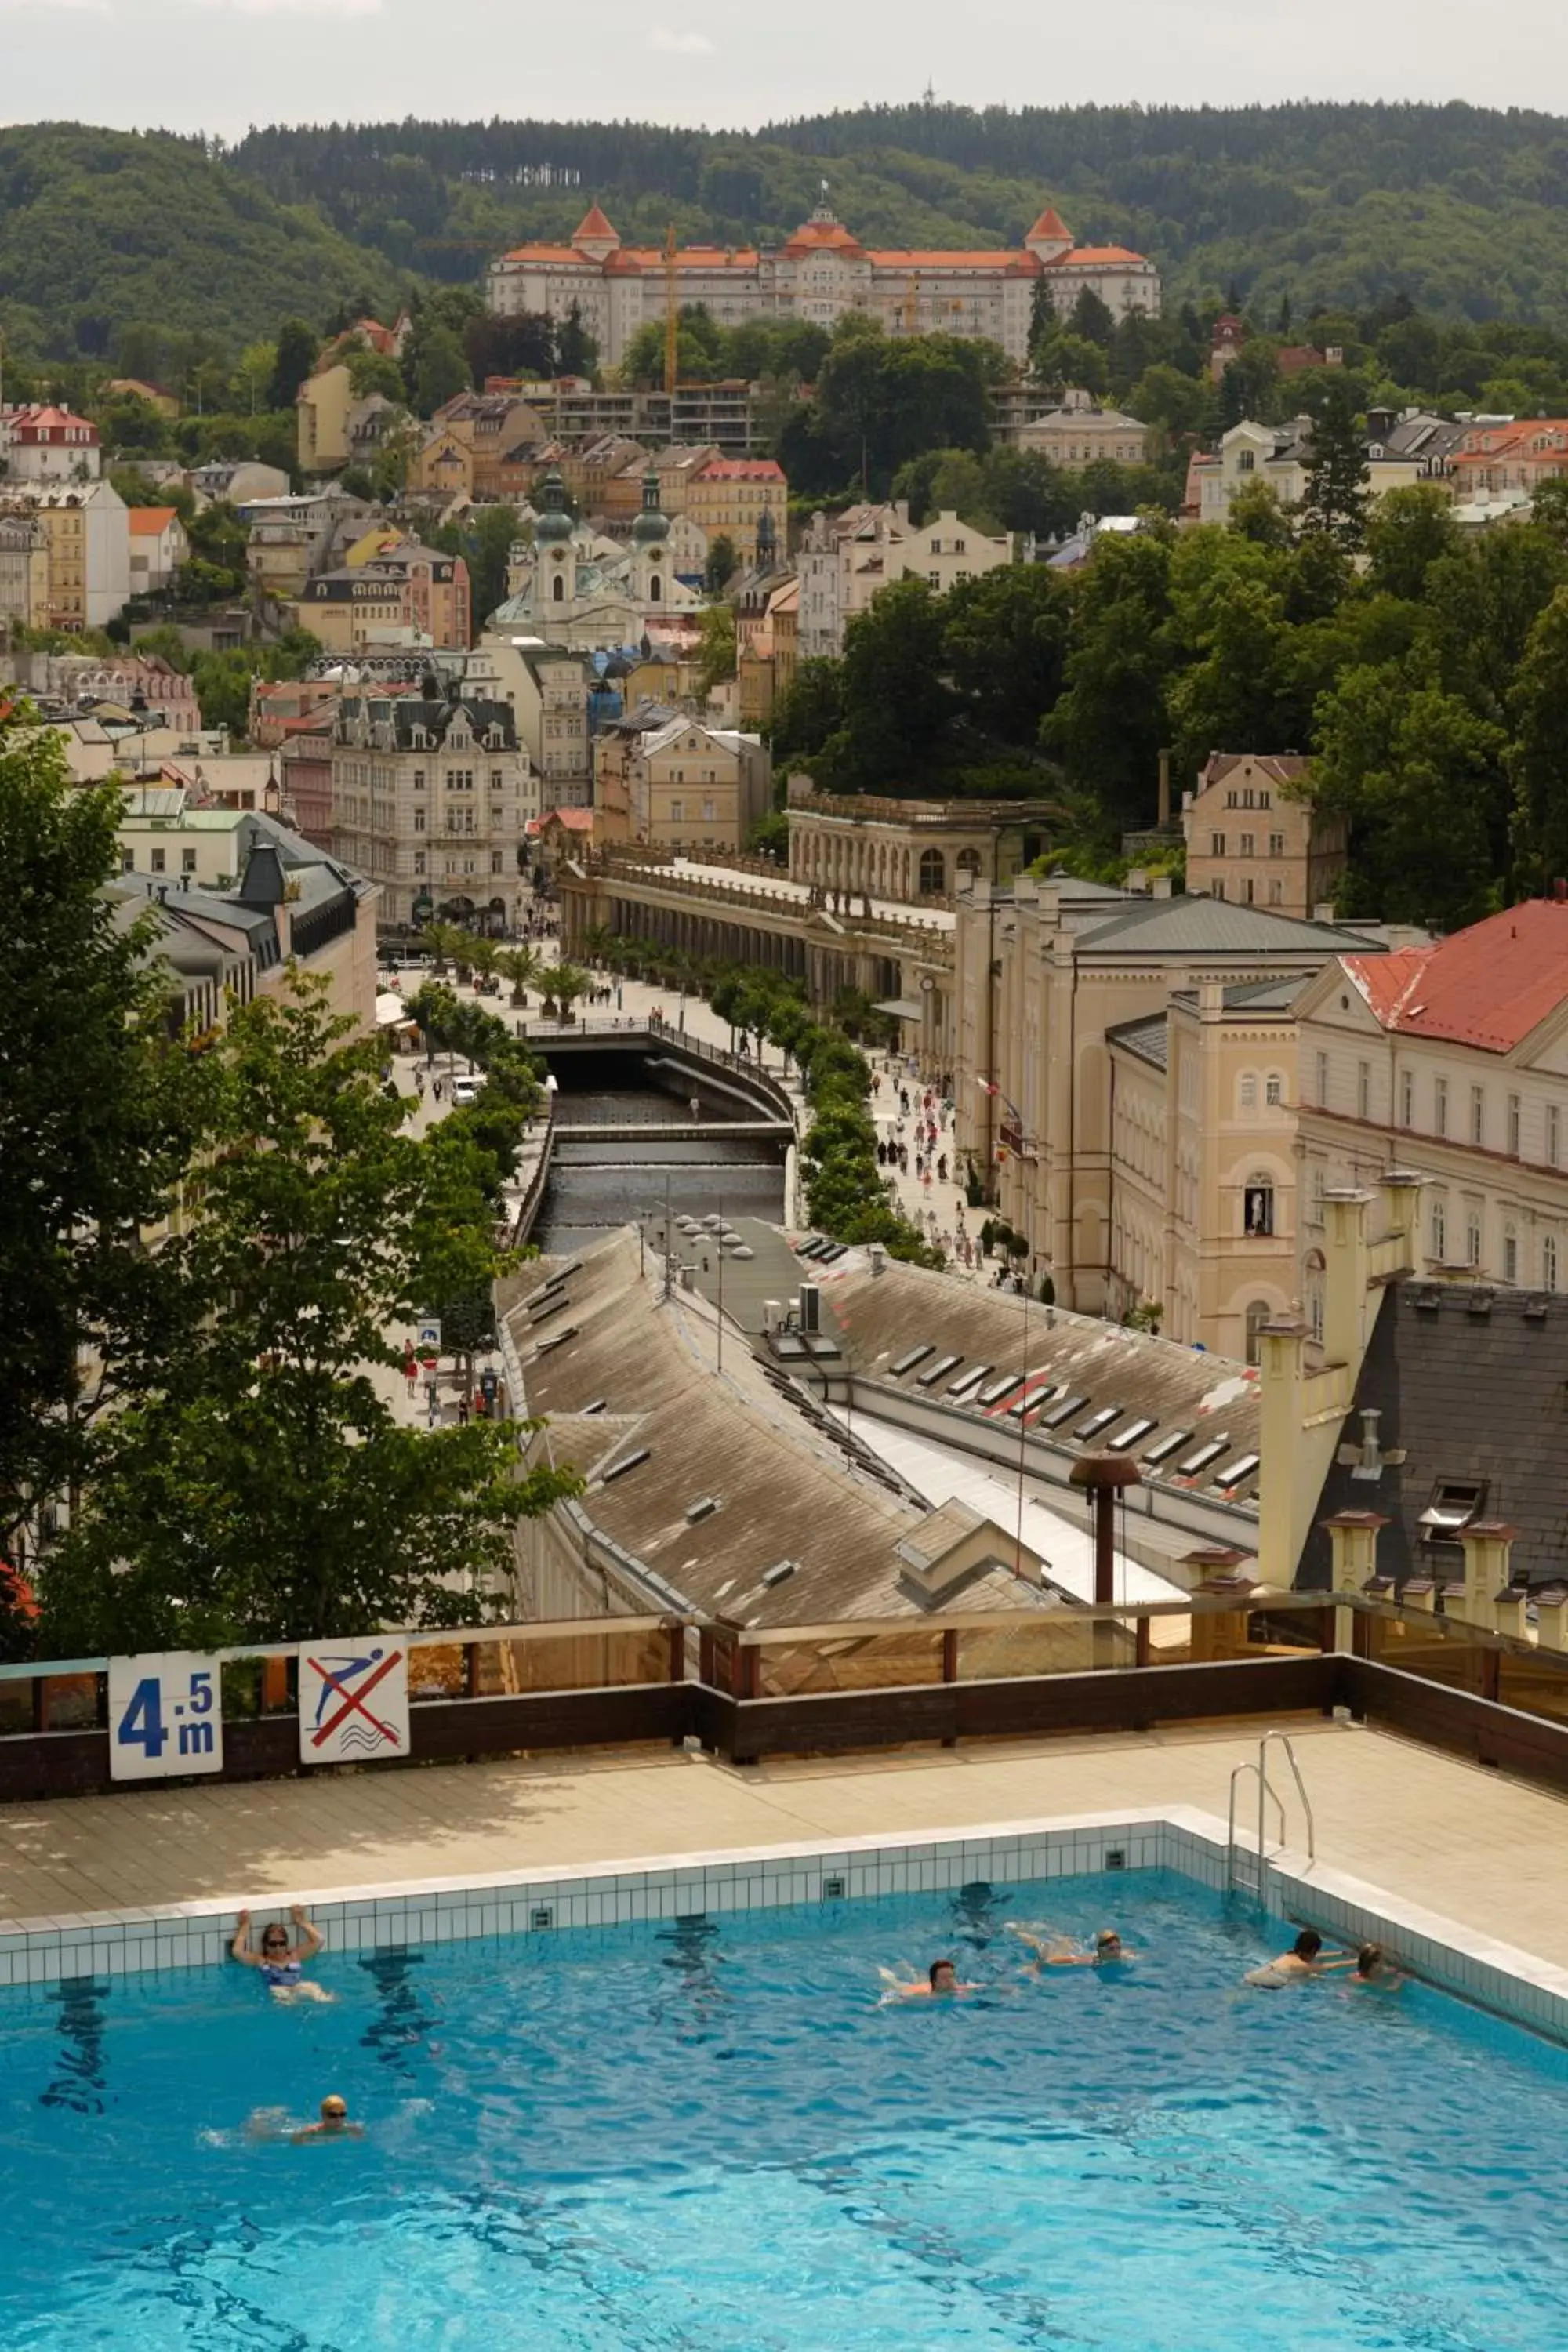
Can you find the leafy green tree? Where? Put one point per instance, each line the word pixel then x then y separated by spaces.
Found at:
pixel 372 371
pixel 1256 513
pixel 577 353
pixel 521 345
pixel 881 400
pixel 253 374
pixel 1421 779
pixel 1005 643
pixel 897 703
pixel 722 562
pixel 261 1486
pixel 296 357
pixel 1407 532
pixel 1092 318
pixel 717 663
pixel 440 370
pixel 1480 605
pixel 809 710
pixel 1334 501
pixel 1111 721
pixel 484 539
pixel 1236 689
pixel 1538 757
pixel 94 1114
pixel 1068 361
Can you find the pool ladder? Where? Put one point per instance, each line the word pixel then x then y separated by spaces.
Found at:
pixel 1244 1869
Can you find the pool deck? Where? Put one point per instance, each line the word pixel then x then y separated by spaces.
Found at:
pixel 1448 1836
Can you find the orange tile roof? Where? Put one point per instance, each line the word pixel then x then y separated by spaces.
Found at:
pixel 593 224
pixel 1051 224
pixel 995 258
pixel 150 522
pixel 689 257
pixel 1488 986
pixel 740 469
pixel 557 253
pixel 1082 254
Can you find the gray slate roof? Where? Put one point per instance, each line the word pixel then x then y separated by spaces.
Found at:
pixel 1198 925
pixel 1471 1384
pixel 1148 1039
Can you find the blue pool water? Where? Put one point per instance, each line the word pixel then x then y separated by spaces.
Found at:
pixel 708 2136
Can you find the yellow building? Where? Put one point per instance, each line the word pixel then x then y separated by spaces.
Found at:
pixel 24 571
pixel 1253 835
pixel 728 497
pixel 323 404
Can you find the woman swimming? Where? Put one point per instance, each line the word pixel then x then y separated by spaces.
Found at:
pixel 282 1962
pixel 1052 1951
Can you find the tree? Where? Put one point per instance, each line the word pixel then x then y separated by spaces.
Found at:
pixel 562 986
pixel 1538 759
pixel 1004 640
pixel 1110 722
pixel 808 710
pixel 372 371
pixel 253 375
pixel 95 1113
pixel 1255 514
pixel 722 562
pixel 522 344
pixel 440 370
pixel 1334 502
pixel 897 703
pixel 260 1486
pixel 1092 318
pixel 717 662
pixel 1419 776
pixel 1406 533
pixel 296 358
pixel 524 966
pixel 577 353
pixel 484 539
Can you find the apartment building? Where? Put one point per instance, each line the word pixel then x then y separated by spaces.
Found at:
pixel 1449 1059
pixel 845 559
pixel 24 571
pixel 1068 993
pixel 547 688
pixel 677 784
pixel 397 587
pixel 41 443
pixel 89 552
pixel 432 794
pixel 1254 836
pixel 1079 432
pixel 736 499
pixel 158 547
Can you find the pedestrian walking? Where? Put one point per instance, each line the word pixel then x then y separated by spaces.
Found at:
pixel 463 1412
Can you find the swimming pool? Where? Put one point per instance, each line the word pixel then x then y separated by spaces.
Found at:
pixel 706 2135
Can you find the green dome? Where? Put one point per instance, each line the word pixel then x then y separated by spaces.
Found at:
pixel 650 524
pixel 553 527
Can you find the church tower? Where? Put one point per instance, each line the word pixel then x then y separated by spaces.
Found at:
pixel 650 546
pixel 555 555
pixel 1050 237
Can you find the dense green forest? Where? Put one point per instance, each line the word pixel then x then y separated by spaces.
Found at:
pixel 1455 208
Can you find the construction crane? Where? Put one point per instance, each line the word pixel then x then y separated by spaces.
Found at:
pixel 671 319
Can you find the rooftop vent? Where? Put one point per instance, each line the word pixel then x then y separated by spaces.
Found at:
pixel 1237 1473
pixel 703 1508
pixel 1098 1421
pixel 908 1359
pixel 1166 1447
pixel 1130 1436
pixel 597 1406
pixel 1369 1465
pixel 934 1372
pixel 1202 1457
pixel 1063 1412
pixel 551 1305
pixel 627 1461
pixel 780 1573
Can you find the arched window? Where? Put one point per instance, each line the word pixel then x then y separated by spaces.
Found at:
pixel 969 861
pixel 557 588
pixel 1247 1091
pixel 1274 1089
pixel 1257 1206
pixel 934 871
pixel 1473 1239
pixel 1257 1315
pixel 655 588
pixel 1549 1263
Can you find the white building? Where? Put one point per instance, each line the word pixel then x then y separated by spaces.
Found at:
pixel 431 799
pixel 43 444
pixel 580 590
pixel 844 559
pixel 820 273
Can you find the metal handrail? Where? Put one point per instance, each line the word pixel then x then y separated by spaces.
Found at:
pixel 1265 1790
pixel 1289 1745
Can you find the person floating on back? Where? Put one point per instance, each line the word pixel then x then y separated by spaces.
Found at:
pixel 1055 1951
pixel 281 1962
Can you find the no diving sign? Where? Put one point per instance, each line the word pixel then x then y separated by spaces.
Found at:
pixel 353 1702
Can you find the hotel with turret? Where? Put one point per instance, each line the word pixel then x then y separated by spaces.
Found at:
pixel 819 274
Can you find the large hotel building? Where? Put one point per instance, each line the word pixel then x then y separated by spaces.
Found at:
pixel 819 273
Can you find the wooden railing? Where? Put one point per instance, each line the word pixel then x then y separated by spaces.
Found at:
pixel 750 1692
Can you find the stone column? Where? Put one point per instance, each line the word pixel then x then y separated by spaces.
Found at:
pixel 1353 1535
pixel 1279 1381
pixel 1487 1544
pixel 1344 1284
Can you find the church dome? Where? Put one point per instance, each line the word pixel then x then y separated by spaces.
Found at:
pixel 651 524
pixel 553 527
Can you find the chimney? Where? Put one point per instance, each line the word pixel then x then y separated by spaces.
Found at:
pixel 1352 1535
pixel 1164 803
pixel 1370 1466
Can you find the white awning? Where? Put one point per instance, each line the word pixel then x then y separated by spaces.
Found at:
pixel 902 1008
pixel 390 1009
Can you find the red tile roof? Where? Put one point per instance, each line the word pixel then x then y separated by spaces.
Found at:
pixel 1096 254
pixel 151 522
pixel 593 224
pixel 1488 986
pixel 1051 224
pixel 740 469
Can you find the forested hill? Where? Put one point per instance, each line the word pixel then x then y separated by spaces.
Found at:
pixel 1460 211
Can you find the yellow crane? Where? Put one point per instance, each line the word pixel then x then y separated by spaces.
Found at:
pixel 671 318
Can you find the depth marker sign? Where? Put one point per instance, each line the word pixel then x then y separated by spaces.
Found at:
pixel 353 1702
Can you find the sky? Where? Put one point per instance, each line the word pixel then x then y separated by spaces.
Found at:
pixel 221 65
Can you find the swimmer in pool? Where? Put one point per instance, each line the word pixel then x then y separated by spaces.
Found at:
pixel 272 2123
pixel 282 1962
pixel 1370 1966
pixel 1305 1957
pixel 942 1984
pixel 1053 1951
